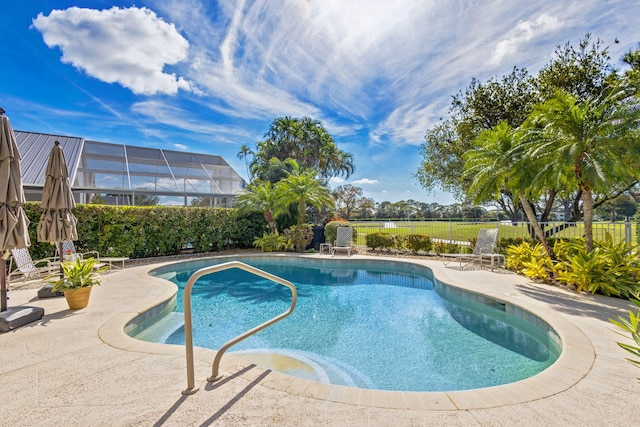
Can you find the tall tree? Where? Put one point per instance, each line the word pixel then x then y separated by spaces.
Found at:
pixel 480 107
pixel 494 168
pixel 350 201
pixel 581 71
pixel 263 196
pixel 306 141
pixel 245 152
pixel 302 189
pixel 592 145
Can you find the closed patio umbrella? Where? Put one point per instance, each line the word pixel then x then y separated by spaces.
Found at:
pixel 14 225
pixel 57 223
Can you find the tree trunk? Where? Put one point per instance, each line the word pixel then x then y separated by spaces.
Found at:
pixel 587 206
pixel 531 216
pixel 268 216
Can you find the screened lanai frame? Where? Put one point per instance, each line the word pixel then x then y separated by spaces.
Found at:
pixel 124 174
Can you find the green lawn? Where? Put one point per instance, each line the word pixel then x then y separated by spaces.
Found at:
pixel 463 231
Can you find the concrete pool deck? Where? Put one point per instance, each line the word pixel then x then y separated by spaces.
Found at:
pixel 79 368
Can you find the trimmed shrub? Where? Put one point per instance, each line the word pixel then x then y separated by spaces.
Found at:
pixel 416 243
pixel 148 231
pixel 380 240
pixel 446 248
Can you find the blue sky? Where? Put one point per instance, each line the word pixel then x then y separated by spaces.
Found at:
pixel 209 76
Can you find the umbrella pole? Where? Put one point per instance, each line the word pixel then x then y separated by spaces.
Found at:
pixel 61 258
pixel 3 285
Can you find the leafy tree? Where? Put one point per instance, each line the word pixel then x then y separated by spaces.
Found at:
pixel 582 72
pixel 495 166
pixel 481 107
pixel 351 202
pixel 263 196
pixel 619 208
pixel 590 145
pixel 302 189
pixel 306 141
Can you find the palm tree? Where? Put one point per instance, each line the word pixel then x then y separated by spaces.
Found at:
pixel 263 196
pixel 303 189
pixel 244 152
pixel 493 168
pixel 592 145
pixel 306 141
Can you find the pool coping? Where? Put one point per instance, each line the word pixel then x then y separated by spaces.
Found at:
pixel 574 363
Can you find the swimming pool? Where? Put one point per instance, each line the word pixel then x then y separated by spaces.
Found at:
pixel 364 323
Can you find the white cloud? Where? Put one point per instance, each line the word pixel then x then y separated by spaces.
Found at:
pixel 178 118
pixel 524 32
pixel 336 181
pixel 365 181
pixel 127 46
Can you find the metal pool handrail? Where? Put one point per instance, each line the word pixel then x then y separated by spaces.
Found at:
pixel 188 328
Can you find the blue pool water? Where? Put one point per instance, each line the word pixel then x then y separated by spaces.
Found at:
pixel 371 324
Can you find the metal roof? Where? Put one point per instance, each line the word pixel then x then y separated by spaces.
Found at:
pixel 102 167
pixel 34 151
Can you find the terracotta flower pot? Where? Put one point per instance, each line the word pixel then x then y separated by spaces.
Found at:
pixel 78 298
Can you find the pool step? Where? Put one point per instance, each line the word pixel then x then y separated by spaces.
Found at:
pixel 308 365
pixel 161 330
pixel 298 363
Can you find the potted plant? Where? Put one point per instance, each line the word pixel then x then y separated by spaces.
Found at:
pixel 78 278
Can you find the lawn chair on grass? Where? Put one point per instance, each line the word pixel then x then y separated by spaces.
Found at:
pixel 483 249
pixel 344 240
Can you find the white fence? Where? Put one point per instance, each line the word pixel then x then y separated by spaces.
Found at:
pixel 459 231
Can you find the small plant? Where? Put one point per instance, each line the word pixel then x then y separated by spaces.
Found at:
pixel 531 261
pixel 610 268
pixel 270 242
pixel 78 274
pixel 632 326
pixel 416 243
pixel 446 248
pixel 300 236
pixel 380 240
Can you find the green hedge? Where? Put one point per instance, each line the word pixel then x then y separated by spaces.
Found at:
pixel 148 231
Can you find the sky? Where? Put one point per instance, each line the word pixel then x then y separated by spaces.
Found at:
pixel 210 76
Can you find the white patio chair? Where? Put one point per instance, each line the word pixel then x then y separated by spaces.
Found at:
pixel 484 249
pixel 69 248
pixel 344 240
pixel 26 268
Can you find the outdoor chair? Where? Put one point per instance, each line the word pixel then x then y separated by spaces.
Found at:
pixel 26 268
pixel 484 249
pixel 344 240
pixel 68 248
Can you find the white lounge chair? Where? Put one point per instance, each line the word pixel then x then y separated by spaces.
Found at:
pixel 344 240
pixel 26 268
pixel 484 249
pixel 68 248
